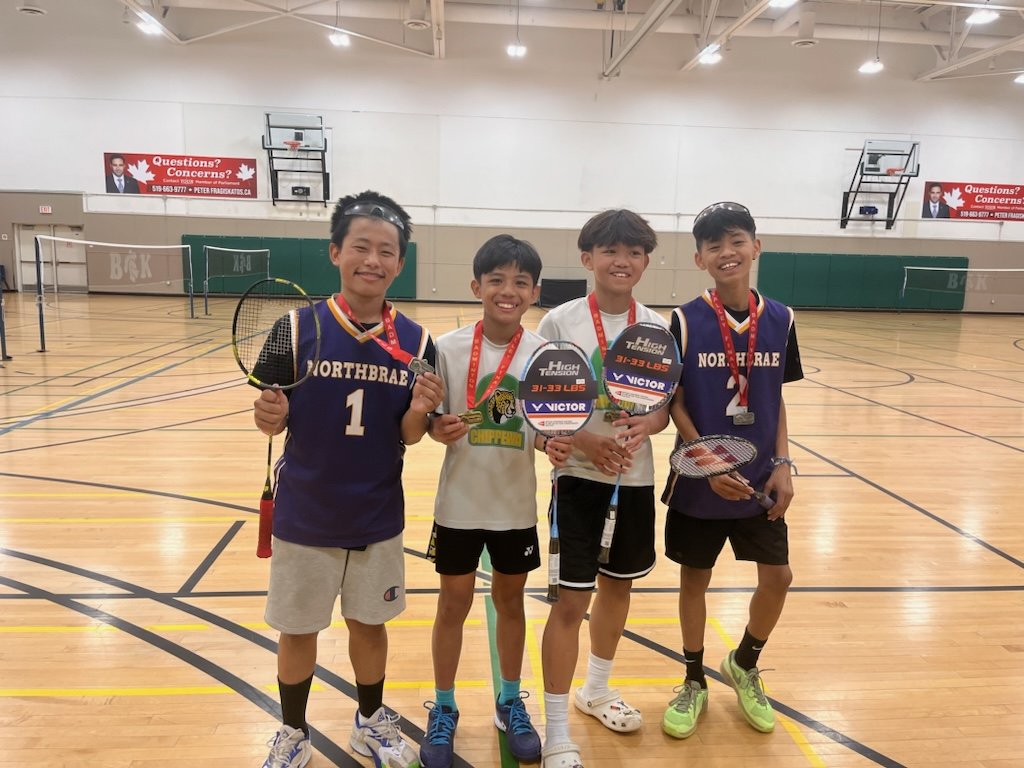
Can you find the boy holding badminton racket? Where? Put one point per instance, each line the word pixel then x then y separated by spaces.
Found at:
pixel 738 348
pixel 339 504
pixel 487 492
pixel 615 245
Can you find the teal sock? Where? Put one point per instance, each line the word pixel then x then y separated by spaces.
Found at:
pixel 509 691
pixel 446 698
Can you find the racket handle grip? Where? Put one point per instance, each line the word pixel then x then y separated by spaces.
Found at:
pixel 766 501
pixel 553 571
pixel 263 548
pixel 607 534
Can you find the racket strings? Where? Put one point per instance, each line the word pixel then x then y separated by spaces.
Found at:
pixel 711 457
pixel 264 337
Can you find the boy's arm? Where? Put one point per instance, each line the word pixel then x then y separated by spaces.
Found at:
pixel 780 484
pixel 639 428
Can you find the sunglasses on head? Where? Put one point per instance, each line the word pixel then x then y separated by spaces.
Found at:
pixel 723 206
pixel 375 210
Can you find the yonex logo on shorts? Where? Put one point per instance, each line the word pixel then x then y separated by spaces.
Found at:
pixel 391 594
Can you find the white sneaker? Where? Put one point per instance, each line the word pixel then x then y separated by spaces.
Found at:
pixel 380 738
pixel 290 748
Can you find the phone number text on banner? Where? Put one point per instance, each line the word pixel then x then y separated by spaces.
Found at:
pixel 188 175
pixel 973 202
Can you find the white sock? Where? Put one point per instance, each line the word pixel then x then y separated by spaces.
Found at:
pixel 598 672
pixel 556 714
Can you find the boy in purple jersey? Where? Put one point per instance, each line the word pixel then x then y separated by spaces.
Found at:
pixel 339 504
pixel 738 348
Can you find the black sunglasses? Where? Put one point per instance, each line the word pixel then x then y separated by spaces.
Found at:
pixel 375 210
pixel 723 206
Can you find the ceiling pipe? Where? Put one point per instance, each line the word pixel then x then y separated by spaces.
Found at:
pixel 649 22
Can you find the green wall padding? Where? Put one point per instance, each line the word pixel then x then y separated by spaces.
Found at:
pixel 303 260
pixel 860 281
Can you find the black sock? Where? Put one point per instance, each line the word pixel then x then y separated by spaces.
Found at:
pixel 694 661
pixel 371 697
pixel 749 651
pixel 294 698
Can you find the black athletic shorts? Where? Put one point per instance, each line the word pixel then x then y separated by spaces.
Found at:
pixel 581 511
pixel 456 552
pixel 696 542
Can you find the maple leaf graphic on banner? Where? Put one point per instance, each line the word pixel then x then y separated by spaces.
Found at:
pixel 140 172
pixel 245 172
pixel 953 199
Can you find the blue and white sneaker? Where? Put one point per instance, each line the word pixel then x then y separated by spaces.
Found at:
pixel 290 748
pixel 514 720
pixel 438 747
pixel 380 738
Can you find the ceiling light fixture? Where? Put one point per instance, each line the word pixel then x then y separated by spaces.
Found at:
pixel 147 23
pixel 982 16
pixel 782 3
pixel 1019 79
pixel 516 50
pixel 710 54
pixel 338 38
pixel 870 67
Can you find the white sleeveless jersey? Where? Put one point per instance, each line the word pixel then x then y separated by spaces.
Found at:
pixel 487 479
pixel 572 322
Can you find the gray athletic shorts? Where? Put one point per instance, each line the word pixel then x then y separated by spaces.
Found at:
pixel 305 582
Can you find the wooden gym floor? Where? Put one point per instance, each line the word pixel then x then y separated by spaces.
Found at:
pixel 131 602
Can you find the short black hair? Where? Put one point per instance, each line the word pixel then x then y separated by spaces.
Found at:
pixel 117 156
pixel 614 227
pixel 502 250
pixel 340 221
pixel 720 222
pixel 933 184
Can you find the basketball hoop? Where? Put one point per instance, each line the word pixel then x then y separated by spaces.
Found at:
pixel 894 171
pixel 292 144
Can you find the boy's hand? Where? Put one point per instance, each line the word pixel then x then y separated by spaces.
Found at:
pixel 605 453
pixel 558 450
pixel 270 411
pixel 447 428
pixel 637 430
pixel 780 488
pixel 733 486
pixel 427 393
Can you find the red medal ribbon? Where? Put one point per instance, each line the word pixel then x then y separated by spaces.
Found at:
pixel 595 315
pixel 474 365
pixel 730 350
pixel 391 346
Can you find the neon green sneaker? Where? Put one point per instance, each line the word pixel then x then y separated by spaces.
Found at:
pixel 691 701
pixel 750 694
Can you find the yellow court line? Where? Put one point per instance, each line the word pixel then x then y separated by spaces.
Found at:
pixel 791 728
pixel 110 520
pixel 256 625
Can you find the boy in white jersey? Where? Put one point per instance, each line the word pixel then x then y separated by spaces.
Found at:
pixel 487 493
pixel 615 246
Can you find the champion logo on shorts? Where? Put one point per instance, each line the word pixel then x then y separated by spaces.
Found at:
pixel 391 594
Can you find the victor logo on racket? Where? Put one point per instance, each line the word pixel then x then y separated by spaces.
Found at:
pixel 264 340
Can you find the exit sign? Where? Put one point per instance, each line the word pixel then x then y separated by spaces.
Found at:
pixel 46 209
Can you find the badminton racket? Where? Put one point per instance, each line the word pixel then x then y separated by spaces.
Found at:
pixel 265 339
pixel 640 373
pixel 556 393
pixel 714 455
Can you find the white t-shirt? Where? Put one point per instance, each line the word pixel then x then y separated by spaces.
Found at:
pixel 572 321
pixel 487 479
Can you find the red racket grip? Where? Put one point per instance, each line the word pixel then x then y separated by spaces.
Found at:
pixel 263 548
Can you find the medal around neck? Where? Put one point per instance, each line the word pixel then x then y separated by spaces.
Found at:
pixel 420 366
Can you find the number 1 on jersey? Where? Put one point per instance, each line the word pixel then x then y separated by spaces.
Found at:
pixel 355 424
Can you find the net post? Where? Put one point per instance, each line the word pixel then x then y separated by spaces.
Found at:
pixel 903 290
pixel 3 332
pixel 39 292
pixel 206 280
pixel 191 284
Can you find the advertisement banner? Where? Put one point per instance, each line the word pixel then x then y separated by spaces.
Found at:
pixel 970 201
pixel 134 173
